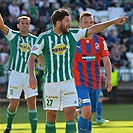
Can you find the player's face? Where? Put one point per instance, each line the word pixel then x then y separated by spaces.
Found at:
pixel 86 21
pixel 24 25
pixel 65 24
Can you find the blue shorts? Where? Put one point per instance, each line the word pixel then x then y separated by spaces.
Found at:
pixel 87 97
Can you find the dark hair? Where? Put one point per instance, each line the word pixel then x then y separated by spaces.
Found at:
pixel 85 13
pixel 59 15
pixel 24 17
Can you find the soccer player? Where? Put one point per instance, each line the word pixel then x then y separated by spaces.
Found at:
pixel 99 118
pixel 86 70
pixel 20 46
pixel 58 48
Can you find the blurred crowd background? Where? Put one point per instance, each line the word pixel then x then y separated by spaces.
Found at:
pixel 119 39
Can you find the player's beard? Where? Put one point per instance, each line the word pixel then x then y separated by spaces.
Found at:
pixel 63 29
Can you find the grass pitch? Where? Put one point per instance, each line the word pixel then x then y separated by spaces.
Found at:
pixel 120 116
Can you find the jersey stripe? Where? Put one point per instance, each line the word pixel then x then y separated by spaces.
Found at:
pixel 89 57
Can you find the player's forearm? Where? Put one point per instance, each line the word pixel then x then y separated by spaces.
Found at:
pixel 31 65
pixel 3 27
pixel 101 26
pixel 108 69
pixel 1 22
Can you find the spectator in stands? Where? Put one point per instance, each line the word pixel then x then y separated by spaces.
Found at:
pixel 41 26
pixel 115 55
pixel 10 22
pixel 33 11
pixel 4 54
pixel 4 10
pixel 14 10
pixel 111 39
pixel 131 42
pixel 129 55
pixel 66 6
pixel 126 29
pixel 75 11
pixel 124 61
pixel 46 12
pixel 99 4
pixel 23 10
pixel 54 6
pixel 74 23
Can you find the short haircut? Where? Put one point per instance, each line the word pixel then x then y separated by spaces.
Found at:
pixel 84 13
pixel 24 17
pixel 59 15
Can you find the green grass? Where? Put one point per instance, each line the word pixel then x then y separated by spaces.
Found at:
pixel 120 117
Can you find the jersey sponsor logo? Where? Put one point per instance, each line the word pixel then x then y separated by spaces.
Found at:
pixel 86 101
pixel 88 58
pixel 13 87
pixel 59 49
pixel 54 97
pixel 97 46
pixel 69 93
pixel 25 47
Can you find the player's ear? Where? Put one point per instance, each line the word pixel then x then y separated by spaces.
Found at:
pixel 18 26
pixel 58 22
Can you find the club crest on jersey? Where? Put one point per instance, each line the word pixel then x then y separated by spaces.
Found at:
pixel 97 46
pixel 80 101
pixel 59 49
pixel 25 47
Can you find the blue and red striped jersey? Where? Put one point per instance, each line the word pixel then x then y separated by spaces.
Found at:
pixel 86 67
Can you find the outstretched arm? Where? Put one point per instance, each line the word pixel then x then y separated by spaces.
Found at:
pixel 31 67
pixel 3 27
pixel 101 26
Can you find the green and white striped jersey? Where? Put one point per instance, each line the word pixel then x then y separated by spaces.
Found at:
pixel 58 51
pixel 20 47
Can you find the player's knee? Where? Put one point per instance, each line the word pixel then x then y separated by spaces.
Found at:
pixel 51 115
pixel 69 113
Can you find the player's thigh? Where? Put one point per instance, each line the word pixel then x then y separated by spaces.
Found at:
pixel 94 99
pixel 69 95
pixel 83 96
pixel 14 85
pixel 51 96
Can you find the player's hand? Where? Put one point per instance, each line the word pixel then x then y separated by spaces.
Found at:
pixel 121 20
pixel 33 82
pixel 108 84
